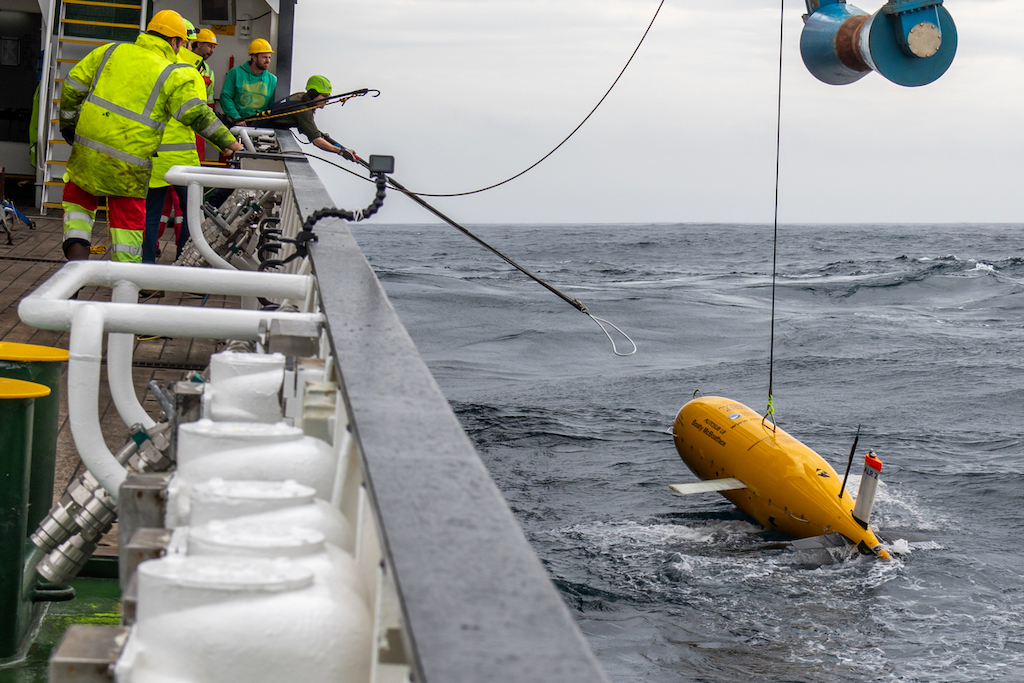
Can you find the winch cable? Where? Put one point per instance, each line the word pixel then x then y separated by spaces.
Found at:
pixel 770 410
pixel 556 148
pixel 575 303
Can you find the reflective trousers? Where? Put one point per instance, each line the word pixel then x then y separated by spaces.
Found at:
pixel 126 215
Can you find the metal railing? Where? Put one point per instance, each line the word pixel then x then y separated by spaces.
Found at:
pixel 475 601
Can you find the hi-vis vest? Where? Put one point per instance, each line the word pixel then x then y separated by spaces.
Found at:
pixel 178 146
pixel 119 99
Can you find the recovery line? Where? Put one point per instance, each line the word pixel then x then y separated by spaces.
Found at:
pixel 575 303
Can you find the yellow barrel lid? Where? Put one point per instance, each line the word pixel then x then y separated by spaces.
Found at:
pixel 16 388
pixel 31 353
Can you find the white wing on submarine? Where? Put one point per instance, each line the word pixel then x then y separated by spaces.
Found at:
pixel 708 485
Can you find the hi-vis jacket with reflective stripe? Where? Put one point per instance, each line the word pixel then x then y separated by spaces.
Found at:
pixel 119 99
pixel 178 146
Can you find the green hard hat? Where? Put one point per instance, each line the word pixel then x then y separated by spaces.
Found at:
pixel 320 84
pixel 190 30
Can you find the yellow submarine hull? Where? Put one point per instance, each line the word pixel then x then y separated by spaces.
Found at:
pixel 789 487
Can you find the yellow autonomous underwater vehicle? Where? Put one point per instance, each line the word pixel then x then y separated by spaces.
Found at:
pixel 771 476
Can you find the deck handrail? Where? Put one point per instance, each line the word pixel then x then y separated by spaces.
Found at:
pixel 477 603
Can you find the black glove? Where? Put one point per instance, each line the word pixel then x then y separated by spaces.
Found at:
pixel 68 133
pixel 346 155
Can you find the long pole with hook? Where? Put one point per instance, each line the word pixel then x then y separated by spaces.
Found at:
pixel 575 303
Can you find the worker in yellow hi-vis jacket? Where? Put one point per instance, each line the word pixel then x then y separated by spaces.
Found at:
pixel 114 107
pixel 177 148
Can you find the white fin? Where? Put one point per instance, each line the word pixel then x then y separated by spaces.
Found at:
pixel 708 486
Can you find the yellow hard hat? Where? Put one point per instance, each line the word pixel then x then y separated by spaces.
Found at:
pixel 259 46
pixel 190 30
pixel 206 36
pixel 168 23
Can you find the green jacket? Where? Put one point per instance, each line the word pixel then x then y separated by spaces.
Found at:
pixel 118 101
pixel 245 94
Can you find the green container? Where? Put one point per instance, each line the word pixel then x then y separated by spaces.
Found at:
pixel 17 408
pixel 41 365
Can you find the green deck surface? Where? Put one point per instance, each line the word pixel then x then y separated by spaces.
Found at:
pixel 97 601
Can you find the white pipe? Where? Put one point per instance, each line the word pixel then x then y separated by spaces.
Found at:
pixel 243 135
pixel 228 177
pixel 48 306
pixel 94 273
pixel 120 348
pixel 253 131
pixel 198 235
pixel 197 177
pixel 84 355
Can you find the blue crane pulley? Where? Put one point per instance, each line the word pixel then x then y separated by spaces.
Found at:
pixel 909 42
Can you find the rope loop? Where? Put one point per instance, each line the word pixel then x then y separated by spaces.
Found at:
pixel 770 412
pixel 615 349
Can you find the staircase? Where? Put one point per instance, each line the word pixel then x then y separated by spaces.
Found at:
pixel 80 27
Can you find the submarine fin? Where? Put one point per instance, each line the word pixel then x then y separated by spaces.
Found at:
pixel 832 540
pixel 708 486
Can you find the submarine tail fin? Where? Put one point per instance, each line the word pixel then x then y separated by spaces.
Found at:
pixel 833 540
pixel 708 486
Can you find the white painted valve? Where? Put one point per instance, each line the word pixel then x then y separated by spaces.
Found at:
pixel 244 387
pixel 209 619
pixel 269 503
pixel 230 450
pixel 335 569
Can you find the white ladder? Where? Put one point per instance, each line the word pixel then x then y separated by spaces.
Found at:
pixel 81 27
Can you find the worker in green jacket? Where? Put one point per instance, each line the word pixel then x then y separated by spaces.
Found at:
pixel 249 88
pixel 114 107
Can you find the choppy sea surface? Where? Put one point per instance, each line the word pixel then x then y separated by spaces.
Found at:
pixel 914 332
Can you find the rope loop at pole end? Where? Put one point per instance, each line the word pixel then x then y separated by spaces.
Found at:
pixel 601 322
pixel 770 413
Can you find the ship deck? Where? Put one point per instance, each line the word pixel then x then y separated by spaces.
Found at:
pixel 36 255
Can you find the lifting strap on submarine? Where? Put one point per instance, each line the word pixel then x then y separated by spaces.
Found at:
pixel 286 108
pixel 575 303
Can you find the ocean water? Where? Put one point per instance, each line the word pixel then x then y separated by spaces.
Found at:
pixel 914 332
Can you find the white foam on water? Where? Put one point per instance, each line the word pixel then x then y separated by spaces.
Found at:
pixel 897 507
pixel 984 267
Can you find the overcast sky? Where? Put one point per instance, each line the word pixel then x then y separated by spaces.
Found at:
pixel 473 92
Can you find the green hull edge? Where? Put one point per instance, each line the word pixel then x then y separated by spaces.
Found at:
pixel 97 601
pixel 99 568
